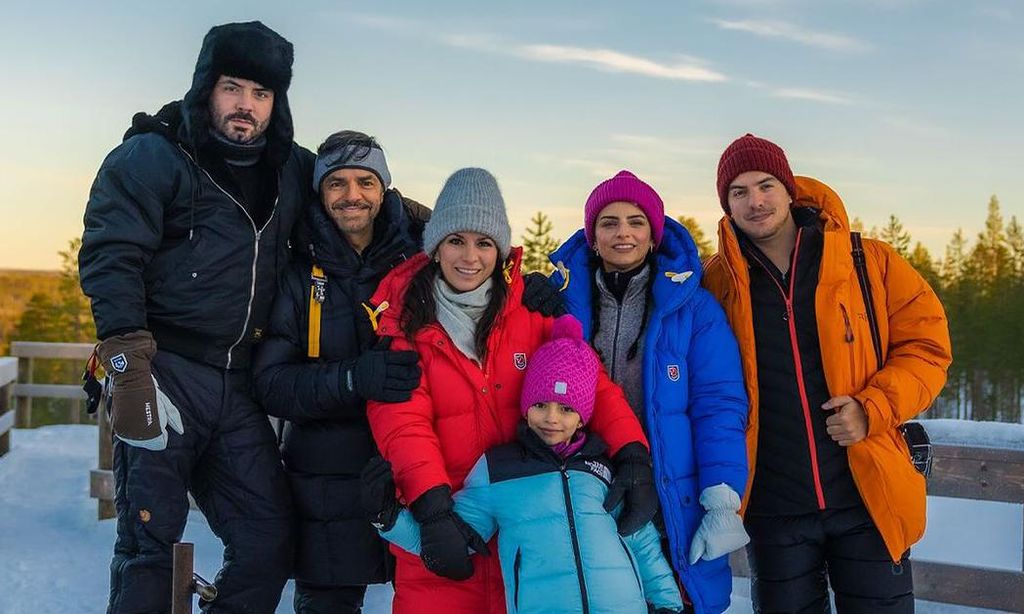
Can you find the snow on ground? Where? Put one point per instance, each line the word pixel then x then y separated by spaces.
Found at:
pixel 970 433
pixel 54 554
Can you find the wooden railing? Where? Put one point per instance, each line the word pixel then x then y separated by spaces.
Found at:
pixel 8 375
pixel 960 472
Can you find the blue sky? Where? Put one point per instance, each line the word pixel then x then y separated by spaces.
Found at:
pixel 903 106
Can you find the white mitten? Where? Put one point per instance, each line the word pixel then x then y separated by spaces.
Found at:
pixel 721 531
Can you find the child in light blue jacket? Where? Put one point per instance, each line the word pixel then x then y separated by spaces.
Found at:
pixel 543 494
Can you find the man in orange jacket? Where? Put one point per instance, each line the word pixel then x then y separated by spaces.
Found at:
pixel 832 490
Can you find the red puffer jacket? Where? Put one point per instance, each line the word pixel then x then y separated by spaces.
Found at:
pixel 458 412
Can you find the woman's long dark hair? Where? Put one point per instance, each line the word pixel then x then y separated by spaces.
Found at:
pixel 419 307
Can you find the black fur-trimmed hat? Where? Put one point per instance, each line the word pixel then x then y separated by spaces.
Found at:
pixel 248 50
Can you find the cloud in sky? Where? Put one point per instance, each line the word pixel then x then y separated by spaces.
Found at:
pixel 802 93
pixel 686 68
pixel 793 33
pixel 609 60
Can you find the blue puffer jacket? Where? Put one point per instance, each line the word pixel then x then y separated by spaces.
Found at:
pixel 559 549
pixel 694 400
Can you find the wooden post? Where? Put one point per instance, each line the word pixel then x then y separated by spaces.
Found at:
pixel 105 508
pixel 5 406
pixel 181 581
pixel 23 415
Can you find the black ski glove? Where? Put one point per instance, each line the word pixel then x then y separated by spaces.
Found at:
pixel 381 374
pixel 540 296
pixel 377 495
pixel 445 538
pixel 634 481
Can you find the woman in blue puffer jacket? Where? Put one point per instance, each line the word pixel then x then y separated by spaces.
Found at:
pixel 631 276
pixel 560 551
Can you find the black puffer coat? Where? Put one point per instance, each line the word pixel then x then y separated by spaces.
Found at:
pixel 171 246
pixel 326 439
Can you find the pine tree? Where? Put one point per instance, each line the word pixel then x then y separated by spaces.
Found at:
pixel 704 247
pixel 922 261
pixel 896 236
pixel 538 244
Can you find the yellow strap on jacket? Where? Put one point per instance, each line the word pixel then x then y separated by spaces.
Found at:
pixel 317 295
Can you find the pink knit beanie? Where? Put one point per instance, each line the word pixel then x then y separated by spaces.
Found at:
pixel 564 370
pixel 625 186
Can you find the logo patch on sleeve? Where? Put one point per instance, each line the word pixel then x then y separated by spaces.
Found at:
pixel 519 359
pixel 673 372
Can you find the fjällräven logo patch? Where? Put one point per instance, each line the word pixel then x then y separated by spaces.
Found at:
pixel 673 372
pixel 520 360
pixel 119 363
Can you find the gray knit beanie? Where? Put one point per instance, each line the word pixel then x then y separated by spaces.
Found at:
pixel 470 201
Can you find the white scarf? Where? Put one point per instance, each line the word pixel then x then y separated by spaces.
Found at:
pixel 458 313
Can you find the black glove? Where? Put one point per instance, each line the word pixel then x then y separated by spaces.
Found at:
pixel 634 481
pixel 381 374
pixel 445 538
pixel 540 296
pixel 378 494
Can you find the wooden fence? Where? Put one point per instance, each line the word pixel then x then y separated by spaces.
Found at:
pixel 8 375
pixel 982 474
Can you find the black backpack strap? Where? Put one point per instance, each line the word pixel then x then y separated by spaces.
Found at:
pixel 861 264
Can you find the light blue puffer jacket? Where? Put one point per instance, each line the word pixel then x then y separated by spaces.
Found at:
pixel 695 402
pixel 559 549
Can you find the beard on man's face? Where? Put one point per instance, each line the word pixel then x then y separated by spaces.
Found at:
pixel 243 133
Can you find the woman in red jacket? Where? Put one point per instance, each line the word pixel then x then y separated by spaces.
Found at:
pixel 458 305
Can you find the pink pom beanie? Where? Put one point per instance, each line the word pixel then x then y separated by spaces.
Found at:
pixel 564 370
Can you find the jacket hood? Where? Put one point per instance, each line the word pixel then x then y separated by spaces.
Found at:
pixel 813 193
pixel 248 51
pixel 677 264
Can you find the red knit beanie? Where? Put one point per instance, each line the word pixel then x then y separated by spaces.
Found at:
pixel 750 153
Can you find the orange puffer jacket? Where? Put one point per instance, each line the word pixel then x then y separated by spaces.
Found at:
pixel 914 332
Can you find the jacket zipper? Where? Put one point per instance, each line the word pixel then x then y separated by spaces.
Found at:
pixel 575 539
pixel 846 321
pixel 515 574
pixel 615 337
pixel 258 232
pixel 798 365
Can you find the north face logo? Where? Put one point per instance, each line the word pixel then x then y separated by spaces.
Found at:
pixel 599 469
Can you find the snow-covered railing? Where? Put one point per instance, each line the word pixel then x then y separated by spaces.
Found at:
pixel 975 472
pixel 8 375
pixel 26 353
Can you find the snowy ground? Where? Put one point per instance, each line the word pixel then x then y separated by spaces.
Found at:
pixel 54 553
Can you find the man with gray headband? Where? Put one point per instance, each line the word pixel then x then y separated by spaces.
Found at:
pixel 320 363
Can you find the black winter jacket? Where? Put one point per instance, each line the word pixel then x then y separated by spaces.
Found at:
pixel 800 468
pixel 326 440
pixel 169 244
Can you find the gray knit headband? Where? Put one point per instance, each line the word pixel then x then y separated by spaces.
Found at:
pixel 372 159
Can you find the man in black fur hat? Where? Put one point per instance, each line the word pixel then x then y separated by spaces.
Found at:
pixel 186 233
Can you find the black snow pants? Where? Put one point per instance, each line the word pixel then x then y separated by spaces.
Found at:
pixel 791 556
pixel 228 459
pixel 314 599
